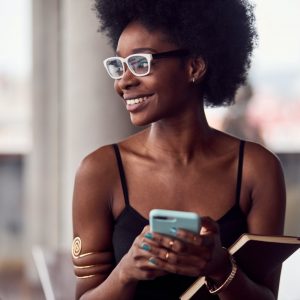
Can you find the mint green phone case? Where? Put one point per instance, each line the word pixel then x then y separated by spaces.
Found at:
pixel 167 221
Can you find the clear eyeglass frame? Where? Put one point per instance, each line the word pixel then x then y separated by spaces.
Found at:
pixel 139 64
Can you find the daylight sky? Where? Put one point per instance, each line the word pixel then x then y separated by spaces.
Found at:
pixel 277 58
pixel 15 37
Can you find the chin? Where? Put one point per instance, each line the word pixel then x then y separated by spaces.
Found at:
pixel 138 121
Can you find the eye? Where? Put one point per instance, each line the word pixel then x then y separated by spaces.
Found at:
pixel 139 64
pixel 115 67
pixel 142 64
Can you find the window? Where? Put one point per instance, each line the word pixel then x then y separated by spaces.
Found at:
pixel 15 76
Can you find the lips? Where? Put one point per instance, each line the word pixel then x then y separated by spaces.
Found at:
pixel 134 104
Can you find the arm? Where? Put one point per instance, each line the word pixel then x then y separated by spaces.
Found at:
pixel 92 222
pixel 265 181
pixel 202 255
pixel 96 181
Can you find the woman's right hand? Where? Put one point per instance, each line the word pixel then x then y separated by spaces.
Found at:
pixel 139 263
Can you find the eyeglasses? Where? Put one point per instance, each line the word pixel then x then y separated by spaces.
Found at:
pixel 139 64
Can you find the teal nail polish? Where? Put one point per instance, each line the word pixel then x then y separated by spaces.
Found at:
pixel 146 247
pixel 149 235
pixel 152 260
pixel 173 230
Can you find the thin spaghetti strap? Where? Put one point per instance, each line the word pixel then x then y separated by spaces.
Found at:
pixel 240 172
pixel 122 173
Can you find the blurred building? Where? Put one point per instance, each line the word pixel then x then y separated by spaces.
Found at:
pixel 237 121
pixel 51 116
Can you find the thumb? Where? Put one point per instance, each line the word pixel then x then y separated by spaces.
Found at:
pixel 208 226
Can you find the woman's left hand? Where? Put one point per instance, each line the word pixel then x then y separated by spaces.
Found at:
pixel 192 254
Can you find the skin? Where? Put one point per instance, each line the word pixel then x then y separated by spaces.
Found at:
pixel 189 154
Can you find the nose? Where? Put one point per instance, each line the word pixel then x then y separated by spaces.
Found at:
pixel 128 80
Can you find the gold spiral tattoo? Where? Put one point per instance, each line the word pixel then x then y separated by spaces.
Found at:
pixel 84 267
pixel 87 276
pixel 76 253
pixel 76 247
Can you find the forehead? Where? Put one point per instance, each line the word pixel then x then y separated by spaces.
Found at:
pixel 137 36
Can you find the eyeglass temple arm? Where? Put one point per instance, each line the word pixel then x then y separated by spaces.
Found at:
pixel 180 52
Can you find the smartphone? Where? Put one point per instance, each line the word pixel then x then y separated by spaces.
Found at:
pixel 165 221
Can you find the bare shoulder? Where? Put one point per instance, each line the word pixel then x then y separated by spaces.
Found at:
pixel 94 179
pixel 97 163
pixel 94 183
pixel 92 218
pixel 259 161
pixel 264 177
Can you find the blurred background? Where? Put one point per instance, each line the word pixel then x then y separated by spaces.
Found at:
pixel 57 104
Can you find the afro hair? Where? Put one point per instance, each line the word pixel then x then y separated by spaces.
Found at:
pixel 222 32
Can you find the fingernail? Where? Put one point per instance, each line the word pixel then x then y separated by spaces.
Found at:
pixel 148 235
pixel 152 260
pixel 146 247
pixel 173 230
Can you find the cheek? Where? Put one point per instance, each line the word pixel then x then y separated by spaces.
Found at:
pixel 174 86
pixel 175 77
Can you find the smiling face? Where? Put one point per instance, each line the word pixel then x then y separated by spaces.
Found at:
pixel 166 91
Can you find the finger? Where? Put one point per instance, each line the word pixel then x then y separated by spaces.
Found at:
pixel 208 225
pixel 165 255
pixel 185 264
pixel 159 251
pixel 152 251
pixel 144 237
pixel 149 252
pixel 160 240
pixel 144 257
pixel 173 245
pixel 186 258
pixel 181 265
pixel 184 242
pixel 141 249
pixel 146 229
pixel 148 269
pixel 184 239
pixel 189 237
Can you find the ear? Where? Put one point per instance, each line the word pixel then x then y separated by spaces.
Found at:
pixel 197 69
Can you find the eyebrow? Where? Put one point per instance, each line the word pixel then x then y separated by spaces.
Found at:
pixel 139 50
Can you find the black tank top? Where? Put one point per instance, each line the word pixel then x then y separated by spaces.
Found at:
pixel 130 223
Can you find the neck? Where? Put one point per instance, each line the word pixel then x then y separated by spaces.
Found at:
pixel 180 136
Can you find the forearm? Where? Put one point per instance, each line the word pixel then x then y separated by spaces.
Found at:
pixel 114 287
pixel 244 288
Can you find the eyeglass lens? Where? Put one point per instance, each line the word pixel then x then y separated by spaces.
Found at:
pixel 115 67
pixel 137 64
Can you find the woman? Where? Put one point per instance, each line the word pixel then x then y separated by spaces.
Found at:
pixel 172 57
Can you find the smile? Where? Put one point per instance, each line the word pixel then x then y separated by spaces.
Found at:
pixel 136 100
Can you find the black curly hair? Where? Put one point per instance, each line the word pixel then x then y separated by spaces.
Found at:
pixel 222 32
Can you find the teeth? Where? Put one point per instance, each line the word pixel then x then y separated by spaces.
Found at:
pixel 136 100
